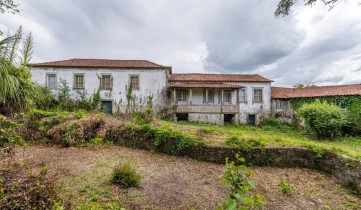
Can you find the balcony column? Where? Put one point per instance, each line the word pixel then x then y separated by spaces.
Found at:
pixel 222 91
pixel 174 105
pixel 206 96
pixel 237 97
pixel 190 96
pixel 174 96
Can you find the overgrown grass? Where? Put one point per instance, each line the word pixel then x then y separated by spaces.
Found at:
pixel 269 135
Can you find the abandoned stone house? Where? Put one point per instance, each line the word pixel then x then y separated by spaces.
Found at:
pixel 221 98
pixel 211 98
pixel 281 97
pixel 113 78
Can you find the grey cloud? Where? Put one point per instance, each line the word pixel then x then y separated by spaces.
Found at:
pixel 198 36
pixel 243 41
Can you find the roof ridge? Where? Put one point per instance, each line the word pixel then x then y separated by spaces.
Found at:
pixel 214 74
pixel 106 59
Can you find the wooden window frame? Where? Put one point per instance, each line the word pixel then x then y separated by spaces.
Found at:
pixel 131 84
pixel 230 96
pixel 102 84
pixel 75 87
pixel 245 95
pixel 47 80
pixel 279 104
pixel 181 94
pixel 257 98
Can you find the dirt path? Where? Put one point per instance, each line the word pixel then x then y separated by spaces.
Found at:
pixel 176 182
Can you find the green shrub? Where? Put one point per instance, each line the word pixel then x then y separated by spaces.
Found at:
pixel 324 119
pixel 97 140
pixel 125 176
pixel 237 178
pixel 20 189
pixel 8 136
pixel 80 113
pixel 235 141
pixel 43 98
pixel 78 132
pixel 285 187
pixel 272 122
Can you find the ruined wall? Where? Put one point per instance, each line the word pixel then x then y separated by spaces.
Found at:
pixel 285 114
pixel 206 118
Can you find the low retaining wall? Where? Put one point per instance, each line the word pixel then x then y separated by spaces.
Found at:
pixel 347 170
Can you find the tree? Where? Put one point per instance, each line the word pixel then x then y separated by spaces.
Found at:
pixel 284 6
pixel 14 45
pixel 9 6
pixel 307 85
pixel 27 50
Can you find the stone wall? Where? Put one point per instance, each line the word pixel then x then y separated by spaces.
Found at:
pixel 347 170
pixel 206 118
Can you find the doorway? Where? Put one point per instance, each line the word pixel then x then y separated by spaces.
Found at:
pixel 252 119
pixel 107 107
pixel 228 118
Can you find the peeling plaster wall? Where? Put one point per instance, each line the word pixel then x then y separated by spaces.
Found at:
pixel 285 114
pixel 151 83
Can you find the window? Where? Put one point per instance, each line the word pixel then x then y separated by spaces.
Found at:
pixel 106 83
pixel 257 95
pixel 210 96
pixel 227 96
pixel 51 81
pixel 243 96
pixel 134 82
pixel 279 104
pixel 78 81
pixel 181 95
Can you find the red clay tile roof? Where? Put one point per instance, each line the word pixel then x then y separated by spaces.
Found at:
pixel 101 63
pixel 218 78
pixel 337 90
pixel 205 85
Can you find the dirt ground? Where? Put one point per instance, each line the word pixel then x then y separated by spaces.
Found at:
pixel 176 182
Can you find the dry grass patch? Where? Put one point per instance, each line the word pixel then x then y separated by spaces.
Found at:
pixel 176 182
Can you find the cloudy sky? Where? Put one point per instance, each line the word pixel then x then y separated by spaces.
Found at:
pixel 312 45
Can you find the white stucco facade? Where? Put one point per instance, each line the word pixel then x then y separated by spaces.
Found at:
pixel 213 112
pixel 152 82
pixel 211 98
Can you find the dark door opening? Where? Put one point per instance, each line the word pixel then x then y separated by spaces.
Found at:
pixel 107 107
pixel 252 119
pixel 182 116
pixel 228 118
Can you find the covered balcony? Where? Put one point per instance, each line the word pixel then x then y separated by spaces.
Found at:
pixel 206 97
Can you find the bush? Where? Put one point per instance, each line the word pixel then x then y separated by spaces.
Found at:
pixel 77 132
pixel 151 138
pixel 285 187
pixel 244 144
pixel 20 189
pixel 125 176
pixel 324 119
pixel 43 98
pixel 272 122
pixel 237 178
pixel 8 136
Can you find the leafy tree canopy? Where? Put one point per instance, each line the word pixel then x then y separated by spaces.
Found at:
pixel 284 6
pixel 9 6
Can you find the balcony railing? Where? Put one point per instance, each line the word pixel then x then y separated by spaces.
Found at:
pixel 207 108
